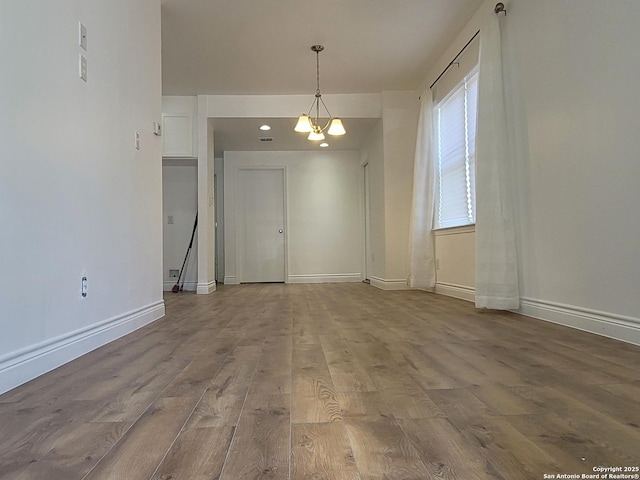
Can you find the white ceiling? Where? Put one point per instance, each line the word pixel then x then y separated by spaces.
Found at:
pixel 224 47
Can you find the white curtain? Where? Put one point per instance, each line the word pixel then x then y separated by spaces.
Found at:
pixel 496 257
pixel 422 271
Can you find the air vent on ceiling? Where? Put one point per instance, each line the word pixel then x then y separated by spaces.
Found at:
pixel 266 139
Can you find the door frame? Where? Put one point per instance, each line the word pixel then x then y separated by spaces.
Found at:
pixel 238 213
pixel 366 218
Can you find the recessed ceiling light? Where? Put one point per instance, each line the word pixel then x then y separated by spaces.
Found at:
pixel 324 145
pixel 265 127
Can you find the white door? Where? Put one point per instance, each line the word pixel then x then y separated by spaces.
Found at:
pixel 261 238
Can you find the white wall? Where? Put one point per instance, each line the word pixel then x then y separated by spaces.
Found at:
pixel 455 262
pixel 352 105
pixel 206 200
pixel 389 150
pixel 219 209
pixel 180 201
pixel 571 69
pixel 324 213
pixel 373 153
pixel 400 123
pixel 578 181
pixel 76 198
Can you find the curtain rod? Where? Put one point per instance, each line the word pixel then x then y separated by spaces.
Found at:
pixel 454 59
pixel 499 8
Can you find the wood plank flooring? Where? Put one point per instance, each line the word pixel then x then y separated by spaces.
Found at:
pixel 335 382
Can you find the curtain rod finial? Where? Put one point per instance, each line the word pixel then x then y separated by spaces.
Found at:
pixel 500 9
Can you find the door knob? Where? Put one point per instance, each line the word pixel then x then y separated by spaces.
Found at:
pixel 280 231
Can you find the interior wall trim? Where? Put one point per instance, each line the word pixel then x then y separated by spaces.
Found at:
pixel 618 327
pixel 389 284
pixel 22 365
pixel 325 278
pixel 230 280
pixel 189 286
pixel 611 325
pixel 458 291
pixel 206 288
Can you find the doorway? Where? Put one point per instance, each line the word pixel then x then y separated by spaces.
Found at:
pixel 261 225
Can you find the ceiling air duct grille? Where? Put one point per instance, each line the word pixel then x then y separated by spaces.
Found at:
pixel 266 139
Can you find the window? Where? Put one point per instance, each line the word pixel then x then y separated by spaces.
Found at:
pixel 455 119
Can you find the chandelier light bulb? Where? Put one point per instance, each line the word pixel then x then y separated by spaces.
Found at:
pixel 304 124
pixel 336 127
pixel 316 135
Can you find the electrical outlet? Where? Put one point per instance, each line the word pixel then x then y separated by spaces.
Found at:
pixel 83 68
pixel 170 219
pixel 137 136
pixel 174 273
pixel 84 287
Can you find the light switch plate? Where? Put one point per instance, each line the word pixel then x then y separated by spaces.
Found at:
pixel 82 36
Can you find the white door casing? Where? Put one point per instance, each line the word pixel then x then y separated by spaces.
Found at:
pixel 367 221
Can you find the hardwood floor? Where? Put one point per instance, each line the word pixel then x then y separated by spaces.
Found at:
pixel 338 381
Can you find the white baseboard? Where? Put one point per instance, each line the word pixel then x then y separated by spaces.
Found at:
pixel 189 286
pixel 389 284
pixel 28 363
pixel 325 278
pixel 230 280
pixel 206 288
pixel 618 327
pixel 457 291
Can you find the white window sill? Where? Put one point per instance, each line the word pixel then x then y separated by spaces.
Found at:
pixel 455 230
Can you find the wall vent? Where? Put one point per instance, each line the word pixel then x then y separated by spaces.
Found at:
pixel 266 139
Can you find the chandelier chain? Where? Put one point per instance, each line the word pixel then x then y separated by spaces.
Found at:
pixel 317 72
pixel 318 95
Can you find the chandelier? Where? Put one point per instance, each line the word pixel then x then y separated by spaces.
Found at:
pixel 311 125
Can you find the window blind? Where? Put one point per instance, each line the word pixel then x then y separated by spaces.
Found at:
pixel 456 140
